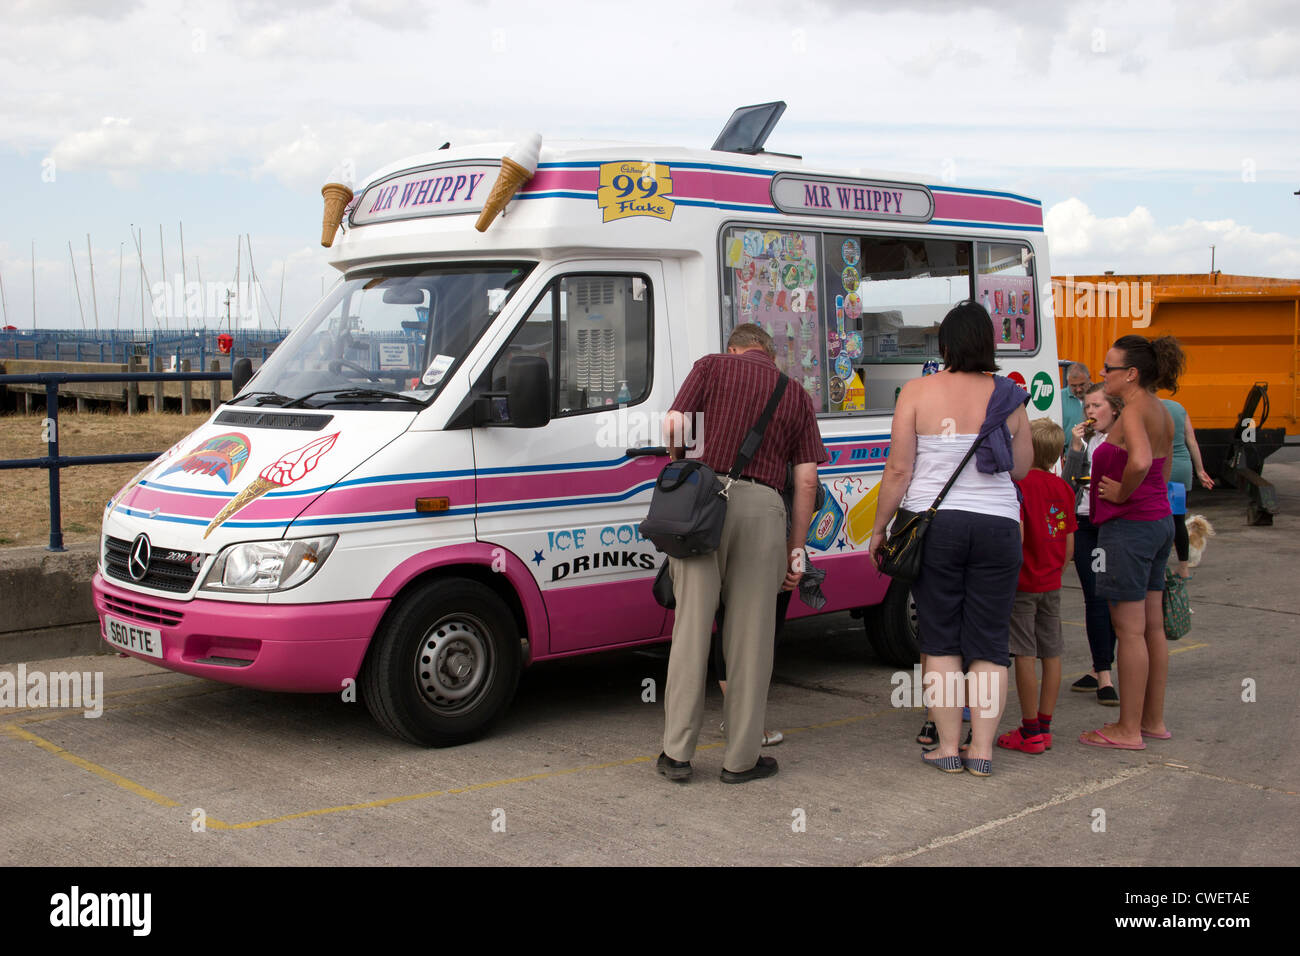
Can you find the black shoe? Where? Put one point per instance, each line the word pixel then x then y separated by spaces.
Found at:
pixel 1107 696
pixel 679 770
pixel 765 767
pixel 1084 684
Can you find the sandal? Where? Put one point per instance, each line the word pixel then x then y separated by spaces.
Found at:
pixel 946 764
pixel 979 766
pixel 929 735
pixel 772 737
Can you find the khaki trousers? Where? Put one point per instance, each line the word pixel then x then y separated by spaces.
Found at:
pixel 746 572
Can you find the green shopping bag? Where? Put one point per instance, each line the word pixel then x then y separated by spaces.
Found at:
pixel 1177 608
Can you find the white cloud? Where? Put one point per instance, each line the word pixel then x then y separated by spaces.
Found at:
pixel 1083 243
pixel 394 14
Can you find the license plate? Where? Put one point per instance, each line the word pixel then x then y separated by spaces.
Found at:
pixel 132 637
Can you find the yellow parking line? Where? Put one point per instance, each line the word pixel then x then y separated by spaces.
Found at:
pixel 116 778
pixel 215 824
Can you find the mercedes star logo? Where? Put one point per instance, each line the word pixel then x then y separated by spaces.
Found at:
pixel 138 564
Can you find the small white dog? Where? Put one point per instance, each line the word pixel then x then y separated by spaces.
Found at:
pixel 1199 530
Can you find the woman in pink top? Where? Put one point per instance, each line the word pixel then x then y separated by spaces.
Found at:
pixel 1135 532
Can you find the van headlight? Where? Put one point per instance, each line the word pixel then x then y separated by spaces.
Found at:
pixel 268 565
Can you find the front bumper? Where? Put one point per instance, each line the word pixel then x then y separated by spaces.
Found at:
pixel 308 648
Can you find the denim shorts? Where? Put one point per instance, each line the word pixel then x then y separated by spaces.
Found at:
pixel 1132 557
pixel 969 568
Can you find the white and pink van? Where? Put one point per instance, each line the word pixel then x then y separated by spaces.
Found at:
pixel 436 480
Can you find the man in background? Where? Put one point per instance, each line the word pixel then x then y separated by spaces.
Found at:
pixel 1077 380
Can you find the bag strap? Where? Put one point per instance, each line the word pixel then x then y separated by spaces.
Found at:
pixel 749 447
pixel 946 488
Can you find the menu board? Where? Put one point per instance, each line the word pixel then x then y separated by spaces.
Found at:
pixel 1009 301
pixel 773 278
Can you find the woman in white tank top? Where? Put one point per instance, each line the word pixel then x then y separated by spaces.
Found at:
pixel 972 552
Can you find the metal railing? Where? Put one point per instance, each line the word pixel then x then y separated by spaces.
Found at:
pixel 62 345
pixel 53 461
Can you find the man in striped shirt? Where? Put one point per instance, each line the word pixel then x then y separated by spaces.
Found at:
pixel 756 559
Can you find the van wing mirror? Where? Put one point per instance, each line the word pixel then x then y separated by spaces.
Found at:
pixel 528 382
pixel 240 372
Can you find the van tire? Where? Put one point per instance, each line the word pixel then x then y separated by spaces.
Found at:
pixel 444 665
pixel 892 628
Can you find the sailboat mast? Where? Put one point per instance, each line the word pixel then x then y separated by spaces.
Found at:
pixel 184 283
pixel 120 244
pixel 162 255
pixel 76 285
pixel 94 299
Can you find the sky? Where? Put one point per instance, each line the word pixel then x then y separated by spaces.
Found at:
pixel 1150 130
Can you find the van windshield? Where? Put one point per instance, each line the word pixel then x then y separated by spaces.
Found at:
pixel 386 336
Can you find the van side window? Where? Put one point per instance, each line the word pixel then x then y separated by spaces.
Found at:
pixel 594 330
pixel 1005 287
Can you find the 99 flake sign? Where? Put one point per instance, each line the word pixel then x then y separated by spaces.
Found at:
pixel 632 188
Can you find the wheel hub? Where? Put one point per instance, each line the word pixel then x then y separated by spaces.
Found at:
pixel 452 662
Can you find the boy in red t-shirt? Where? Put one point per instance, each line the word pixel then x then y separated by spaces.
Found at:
pixel 1048 525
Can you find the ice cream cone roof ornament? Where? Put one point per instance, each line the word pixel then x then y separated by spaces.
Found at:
pixel 517 167
pixel 337 193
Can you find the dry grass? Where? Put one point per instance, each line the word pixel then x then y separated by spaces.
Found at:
pixel 24 508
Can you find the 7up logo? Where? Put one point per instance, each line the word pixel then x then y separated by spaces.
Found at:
pixel 1041 391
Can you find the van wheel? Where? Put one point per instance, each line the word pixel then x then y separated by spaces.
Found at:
pixel 892 628
pixel 444 665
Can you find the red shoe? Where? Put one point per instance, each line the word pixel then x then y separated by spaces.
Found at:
pixel 1047 741
pixel 1016 740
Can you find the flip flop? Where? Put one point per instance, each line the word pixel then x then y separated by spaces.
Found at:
pixel 1165 736
pixel 1108 743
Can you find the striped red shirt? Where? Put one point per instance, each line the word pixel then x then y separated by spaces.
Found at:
pixel 729 393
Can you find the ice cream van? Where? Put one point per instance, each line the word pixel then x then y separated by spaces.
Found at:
pixel 436 480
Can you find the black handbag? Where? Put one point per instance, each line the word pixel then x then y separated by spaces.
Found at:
pixel 663 588
pixel 900 555
pixel 689 502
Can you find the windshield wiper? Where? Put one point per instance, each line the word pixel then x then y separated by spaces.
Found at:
pixel 263 398
pixel 346 395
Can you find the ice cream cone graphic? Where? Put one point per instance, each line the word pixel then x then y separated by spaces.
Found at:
pixel 517 167
pixel 337 196
pixel 279 474
pixel 862 515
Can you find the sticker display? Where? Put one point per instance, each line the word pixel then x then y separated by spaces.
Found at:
pixel 1009 301
pixel 790 275
pixel 826 523
pixel 437 369
pixel 853 306
pixel 843 367
pixel 853 346
pixel 772 275
pixel 836 389
pixel 850 252
pixel 849 279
